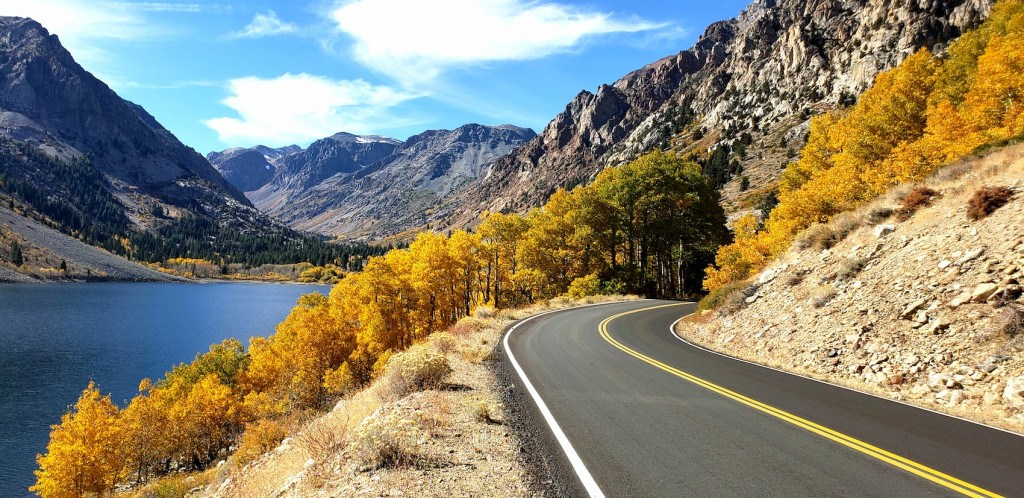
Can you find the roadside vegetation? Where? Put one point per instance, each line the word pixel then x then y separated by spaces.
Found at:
pixel 917 117
pixel 650 226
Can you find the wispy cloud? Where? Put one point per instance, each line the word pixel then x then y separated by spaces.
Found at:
pixel 166 7
pixel 301 107
pixel 266 25
pixel 173 85
pixel 414 42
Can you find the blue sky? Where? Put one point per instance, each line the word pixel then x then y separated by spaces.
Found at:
pixel 224 74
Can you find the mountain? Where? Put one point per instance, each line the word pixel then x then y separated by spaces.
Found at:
pixel 749 83
pixel 739 101
pixel 48 100
pixel 371 186
pixel 80 159
pixel 249 169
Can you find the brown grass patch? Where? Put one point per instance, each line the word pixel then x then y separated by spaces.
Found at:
pixel 986 200
pixel 918 198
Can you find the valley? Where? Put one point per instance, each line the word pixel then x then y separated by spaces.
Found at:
pixel 831 189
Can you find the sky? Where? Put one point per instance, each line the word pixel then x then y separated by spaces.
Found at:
pixel 225 74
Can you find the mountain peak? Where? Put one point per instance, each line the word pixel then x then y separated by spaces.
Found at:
pixel 47 96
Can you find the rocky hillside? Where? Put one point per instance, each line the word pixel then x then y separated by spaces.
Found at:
pixel 49 101
pixel 368 186
pixel 924 307
pixel 755 80
pixel 49 255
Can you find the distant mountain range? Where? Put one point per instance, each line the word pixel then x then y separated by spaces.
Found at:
pixel 366 186
pixel 747 87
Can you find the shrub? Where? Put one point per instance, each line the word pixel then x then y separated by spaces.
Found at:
pixel 826 235
pixel 1011 322
pixel 851 267
pixel 986 200
pixel 585 286
pixel 484 312
pixel 613 287
pixel 387 438
pixel 443 341
pixel 879 214
pixel 321 438
pixel 822 295
pixel 482 411
pixel 916 199
pixel 416 368
pixel 729 297
pixel 795 278
pixel 259 438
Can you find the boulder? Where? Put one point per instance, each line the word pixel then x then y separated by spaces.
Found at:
pixel 883 230
pixel 982 292
pixel 1013 394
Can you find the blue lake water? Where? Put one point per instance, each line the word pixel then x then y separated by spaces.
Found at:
pixel 55 338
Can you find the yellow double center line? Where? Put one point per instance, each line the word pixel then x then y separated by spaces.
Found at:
pixel 906 464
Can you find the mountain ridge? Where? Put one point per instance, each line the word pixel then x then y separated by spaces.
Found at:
pixel 371 186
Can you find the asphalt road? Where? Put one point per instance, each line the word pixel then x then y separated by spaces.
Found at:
pixel 649 415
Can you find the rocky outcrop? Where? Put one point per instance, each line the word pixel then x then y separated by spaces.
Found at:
pixel 929 310
pixel 375 187
pixel 249 169
pixel 763 73
pixel 51 103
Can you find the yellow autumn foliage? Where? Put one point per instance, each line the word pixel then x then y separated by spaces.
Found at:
pixel 917 117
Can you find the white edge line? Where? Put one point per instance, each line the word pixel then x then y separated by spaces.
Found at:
pixel 574 458
pixel 672 331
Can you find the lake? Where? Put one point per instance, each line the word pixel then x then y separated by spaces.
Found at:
pixel 54 338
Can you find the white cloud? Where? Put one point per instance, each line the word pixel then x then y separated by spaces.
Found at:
pixel 414 40
pixel 301 107
pixel 266 25
pixel 83 24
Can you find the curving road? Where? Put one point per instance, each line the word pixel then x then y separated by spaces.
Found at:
pixel 641 413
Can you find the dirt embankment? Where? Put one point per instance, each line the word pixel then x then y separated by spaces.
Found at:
pixel 926 309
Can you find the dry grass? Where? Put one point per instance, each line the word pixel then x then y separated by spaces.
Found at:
pixel 401 435
pixel 1010 322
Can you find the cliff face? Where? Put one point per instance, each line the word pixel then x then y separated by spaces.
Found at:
pixel 763 73
pixel 372 187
